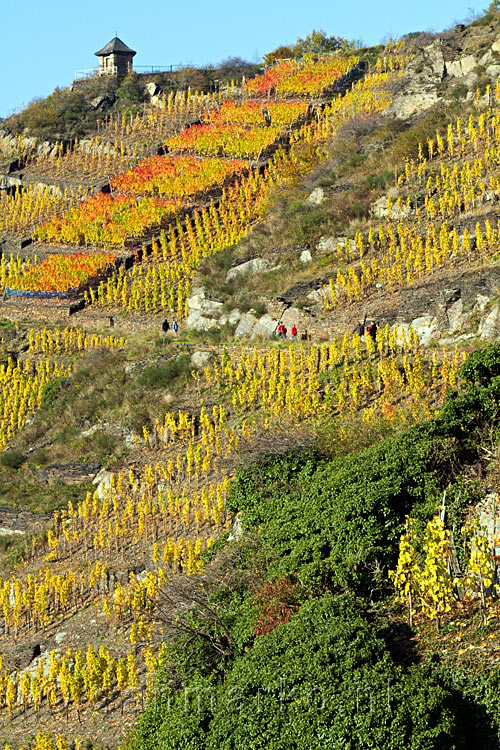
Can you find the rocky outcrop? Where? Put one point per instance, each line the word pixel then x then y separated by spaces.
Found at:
pixel 489 327
pixel 200 359
pixel 316 197
pixel 383 208
pixel 256 265
pixel 152 89
pixel 246 325
pixel 447 314
pixel 462 67
pixel 100 102
pixel 424 74
pixel 203 313
pixel 103 482
pixel 265 326
pixel 73 473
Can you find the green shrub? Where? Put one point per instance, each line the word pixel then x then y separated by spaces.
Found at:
pixel 51 391
pixel 380 180
pixel 163 375
pixel 328 180
pixel 460 91
pixel 39 457
pixel 485 20
pixel 12 459
pixel 12 547
pixel 323 680
pixel 105 442
pixel 338 522
pixel 482 365
pixel 260 309
pixel 477 695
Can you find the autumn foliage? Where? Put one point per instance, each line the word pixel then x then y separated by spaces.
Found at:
pixel 176 177
pixel 60 273
pixel 275 603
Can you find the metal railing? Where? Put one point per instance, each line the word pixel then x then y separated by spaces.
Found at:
pixel 141 69
pixel 85 73
pixel 158 68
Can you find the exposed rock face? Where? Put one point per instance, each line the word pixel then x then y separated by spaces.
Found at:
pixel 493 71
pixel 103 482
pixel 211 307
pixel 316 197
pixel 100 102
pixel 4 531
pixel 201 311
pixel 291 317
pixel 246 325
pixel 200 359
pixel 7 181
pixel 265 326
pixel 425 72
pixel 99 147
pixel 152 89
pixel 256 265
pixel 462 67
pixel 198 322
pixel 327 244
pixel 305 256
pixel 236 530
pixel 456 318
pixel 445 314
pixel 231 319
pixel 340 246
pixel 489 327
pixel 381 209
pixel 425 327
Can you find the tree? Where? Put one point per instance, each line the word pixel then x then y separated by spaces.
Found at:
pixel 283 52
pixel 189 77
pixel 234 68
pixel 130 94
pixel 317 42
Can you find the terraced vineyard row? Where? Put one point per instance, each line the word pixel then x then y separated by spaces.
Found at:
pixel 145 196
pixel 427 228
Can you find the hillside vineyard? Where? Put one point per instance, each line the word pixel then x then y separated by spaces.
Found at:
pixel 216 532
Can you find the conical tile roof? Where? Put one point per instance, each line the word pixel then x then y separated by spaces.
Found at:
pixel 115 45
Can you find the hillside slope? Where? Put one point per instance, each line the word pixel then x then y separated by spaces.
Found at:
pixel 230 538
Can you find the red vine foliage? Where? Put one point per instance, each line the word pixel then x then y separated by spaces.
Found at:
pixel 275 602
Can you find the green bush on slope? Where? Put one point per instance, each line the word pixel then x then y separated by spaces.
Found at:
pixel 323 680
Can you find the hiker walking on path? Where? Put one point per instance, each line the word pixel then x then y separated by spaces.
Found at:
pixel 371 330
pixel 165 326
pixel 360 328
pixel 281 331
pixel 175 327
pixel 294 332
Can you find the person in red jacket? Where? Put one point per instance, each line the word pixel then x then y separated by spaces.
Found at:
pixel 294 332
pixel 281 331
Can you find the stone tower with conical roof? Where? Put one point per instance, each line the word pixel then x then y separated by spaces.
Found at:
pixel 115 58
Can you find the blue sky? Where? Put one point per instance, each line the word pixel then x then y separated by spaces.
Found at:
pixel 44 43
